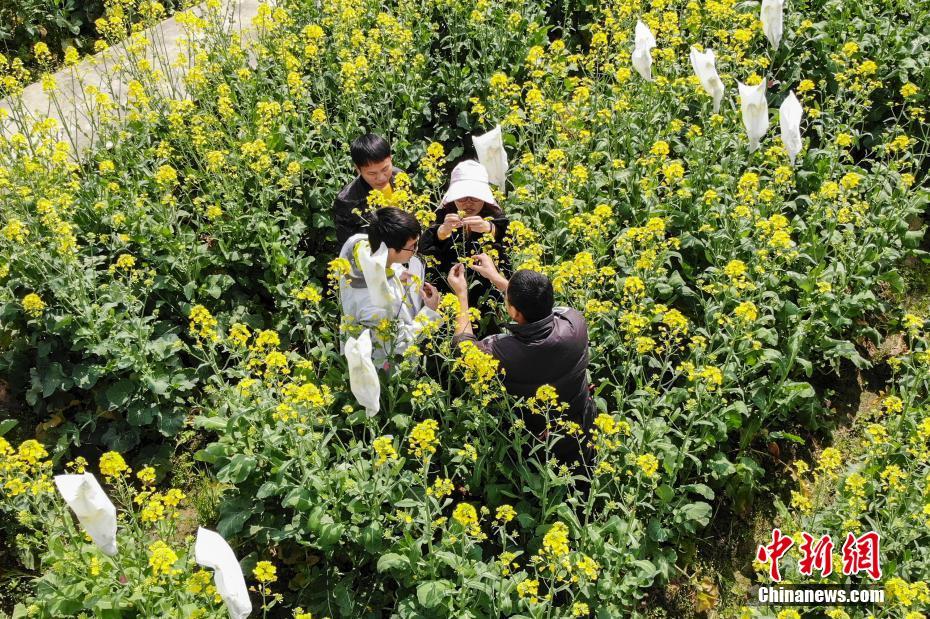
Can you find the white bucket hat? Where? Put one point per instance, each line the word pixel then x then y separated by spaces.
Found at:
pixel 469 180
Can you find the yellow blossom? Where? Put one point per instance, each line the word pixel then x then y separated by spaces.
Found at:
pixel 648 464
pixel 33 304
pixel 112 464
pixel 423 440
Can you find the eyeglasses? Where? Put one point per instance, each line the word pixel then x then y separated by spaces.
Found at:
pixel 413 249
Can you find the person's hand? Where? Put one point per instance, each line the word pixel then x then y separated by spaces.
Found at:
pixel 484 266
pixel 457 281
pixel 451 222
pixel 476 223
pixel 430 296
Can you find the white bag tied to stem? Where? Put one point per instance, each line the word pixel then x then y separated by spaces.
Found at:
pixel 772 16
pixel 789 117
pixel 213 552
pixel 363 377
pixel 706 71
pixel 755 110
pixel 491 154
pixel 642 57
pixel 374 270
pixel 94 510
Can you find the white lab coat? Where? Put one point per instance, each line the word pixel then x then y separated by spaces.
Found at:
pixel 405 305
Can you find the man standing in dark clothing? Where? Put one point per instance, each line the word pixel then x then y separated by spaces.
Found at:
pixel 547 346
pixel 372 157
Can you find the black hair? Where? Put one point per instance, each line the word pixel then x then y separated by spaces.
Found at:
pixel 530 292
pixel 369 148
pixel 393 227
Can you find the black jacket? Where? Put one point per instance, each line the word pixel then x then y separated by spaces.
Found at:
pixel 461 244
pixel 352 198
pixel 552 351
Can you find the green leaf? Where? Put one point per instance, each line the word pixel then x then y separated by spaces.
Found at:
pixel 6 425
pixel 299 499
pixel 721 467
pixel 393 561
pixel 212 453
pixel 330 534
pixel 786 435
pixel 230 524
pixel 665 493
pixel 702 489
pixel 430 594
pixel 214 424
pixel 158 386
pixel 120 392
pixel 237 470
pixel 85 376
pixel 698 512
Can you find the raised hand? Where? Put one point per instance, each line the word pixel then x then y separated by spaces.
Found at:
pixel 457 281
pixel 476 223
pixel 430 296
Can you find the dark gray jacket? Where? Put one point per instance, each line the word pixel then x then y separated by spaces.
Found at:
pixel 352 198
pixel 552 351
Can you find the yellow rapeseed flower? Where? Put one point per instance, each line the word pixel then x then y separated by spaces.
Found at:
pixel 384 449
pixel 265 572
pixel 112 464
pixel 648 464
pixel 423 440
pixel 162 559
pixel 33 304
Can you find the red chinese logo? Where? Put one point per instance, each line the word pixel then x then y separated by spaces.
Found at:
pixel 774 551
pixel 817 556
pixel 859 554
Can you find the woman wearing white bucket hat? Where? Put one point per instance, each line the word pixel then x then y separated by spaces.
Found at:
pixel 468 223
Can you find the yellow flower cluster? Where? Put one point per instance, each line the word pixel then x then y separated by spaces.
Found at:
pixel 480 369
pixel 33 305
pixel 546 398
pixel 112 465
pixel 746 312
pixel 15 230
pixel 830 461
pixel 157 506
pixel 529 589
pixel 648 464
pixel 606 429
pixel 466 515
pixel 203 324
pixel 579 271
pixel 907 594
pixel 710 376
pixel 776 232
pixel 305 393
pixel 423 439
pixel 24 470
pixel 555 542
pixel 162 560
pixel 505 513
pixel 384 450
pixel 309 293
pixel 125 262
pixel 239 335
pixel 403 197
pixel 442 487
pixel 265 572
pixel 592 226
pixel 432 163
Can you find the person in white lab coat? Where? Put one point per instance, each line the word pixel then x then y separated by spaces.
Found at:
pixel 385 290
